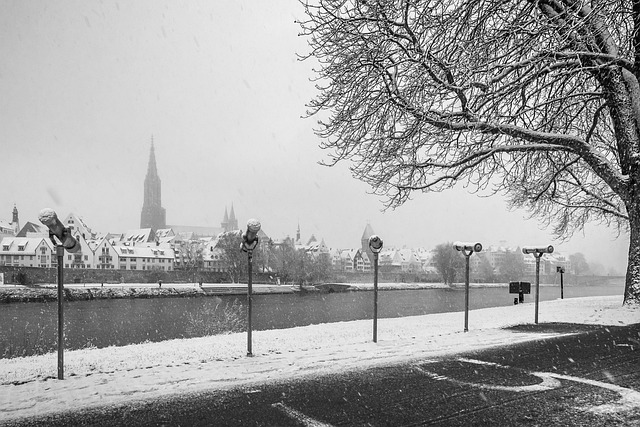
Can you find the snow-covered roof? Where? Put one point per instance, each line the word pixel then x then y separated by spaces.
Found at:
pixel 22 245
pixel 144 252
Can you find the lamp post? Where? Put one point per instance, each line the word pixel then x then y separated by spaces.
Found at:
pixel 249 243
pixel 537 252
pixel 467 250
pixel 375 244
pixel 64 241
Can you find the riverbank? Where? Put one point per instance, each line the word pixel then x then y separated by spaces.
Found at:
pixel 93 291
pixel 115 375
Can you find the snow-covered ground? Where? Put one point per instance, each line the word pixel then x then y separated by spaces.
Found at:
pixel 114 375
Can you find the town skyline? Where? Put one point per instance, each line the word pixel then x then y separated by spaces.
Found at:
pixel 491 246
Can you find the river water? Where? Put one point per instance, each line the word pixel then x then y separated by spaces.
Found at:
pixel 31 328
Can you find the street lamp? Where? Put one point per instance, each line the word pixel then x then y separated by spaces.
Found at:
pixel 249 243
pixel 62 239
pixel 375 244
pixel 467 250
pixel 537 252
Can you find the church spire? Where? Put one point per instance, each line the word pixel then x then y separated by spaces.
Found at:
pixel 153 214
pixel 233 222
pixel 152 169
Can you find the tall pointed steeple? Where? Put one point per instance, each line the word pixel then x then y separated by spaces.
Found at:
pixel 225 220
pixel 233 222
pixel 153 214
pixel 152 168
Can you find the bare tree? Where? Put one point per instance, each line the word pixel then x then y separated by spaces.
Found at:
pixel 579 263
pixel 537 100
pixel 448 262
pixel 234 260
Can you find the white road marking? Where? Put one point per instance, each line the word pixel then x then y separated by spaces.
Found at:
pixel 299 416
pixel 629 400
pixel 546 384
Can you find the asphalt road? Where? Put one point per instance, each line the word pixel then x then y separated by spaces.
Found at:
pixel 588 379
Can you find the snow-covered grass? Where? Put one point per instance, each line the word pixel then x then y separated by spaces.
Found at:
pixel 114 375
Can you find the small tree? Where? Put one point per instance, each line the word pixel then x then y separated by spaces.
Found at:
pixel 234 259
pixel 579 264
pixel 448 262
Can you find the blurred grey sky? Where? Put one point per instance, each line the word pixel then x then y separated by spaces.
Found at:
pixel 85 84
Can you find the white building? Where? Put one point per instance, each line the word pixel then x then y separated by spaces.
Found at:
pixel 136 257
pixel 27 252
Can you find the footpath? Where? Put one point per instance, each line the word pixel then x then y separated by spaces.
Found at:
pixel 117 375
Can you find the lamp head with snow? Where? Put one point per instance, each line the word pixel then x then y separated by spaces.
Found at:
pixel 250 237
pixel 49 218
pixel 537 249
pixel 375 243
pixel 467 246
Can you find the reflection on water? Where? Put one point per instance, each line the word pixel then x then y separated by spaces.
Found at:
pixel 31 328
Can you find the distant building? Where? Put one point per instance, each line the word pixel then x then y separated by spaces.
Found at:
pixel 78 226
pixel 15 222
pixel 229 222
pixel 27 252
pixel 364 240
pixel 31 229
pixel 143 258
pixel 153 214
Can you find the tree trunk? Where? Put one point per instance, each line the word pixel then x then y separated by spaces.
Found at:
pixel 632 283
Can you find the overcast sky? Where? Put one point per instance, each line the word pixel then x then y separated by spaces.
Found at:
pixel 84 85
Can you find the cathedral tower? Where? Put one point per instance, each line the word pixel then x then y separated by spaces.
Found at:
pixel 153 214
pixel 229 223
pixel 15 222
pixel 364 240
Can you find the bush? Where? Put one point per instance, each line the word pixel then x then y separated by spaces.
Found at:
pixel 22 278
pixel 216 319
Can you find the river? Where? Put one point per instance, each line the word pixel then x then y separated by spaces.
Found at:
pixel 31 328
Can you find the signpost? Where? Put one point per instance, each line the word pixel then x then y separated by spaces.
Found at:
pixel 519 288
pixel 561 271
